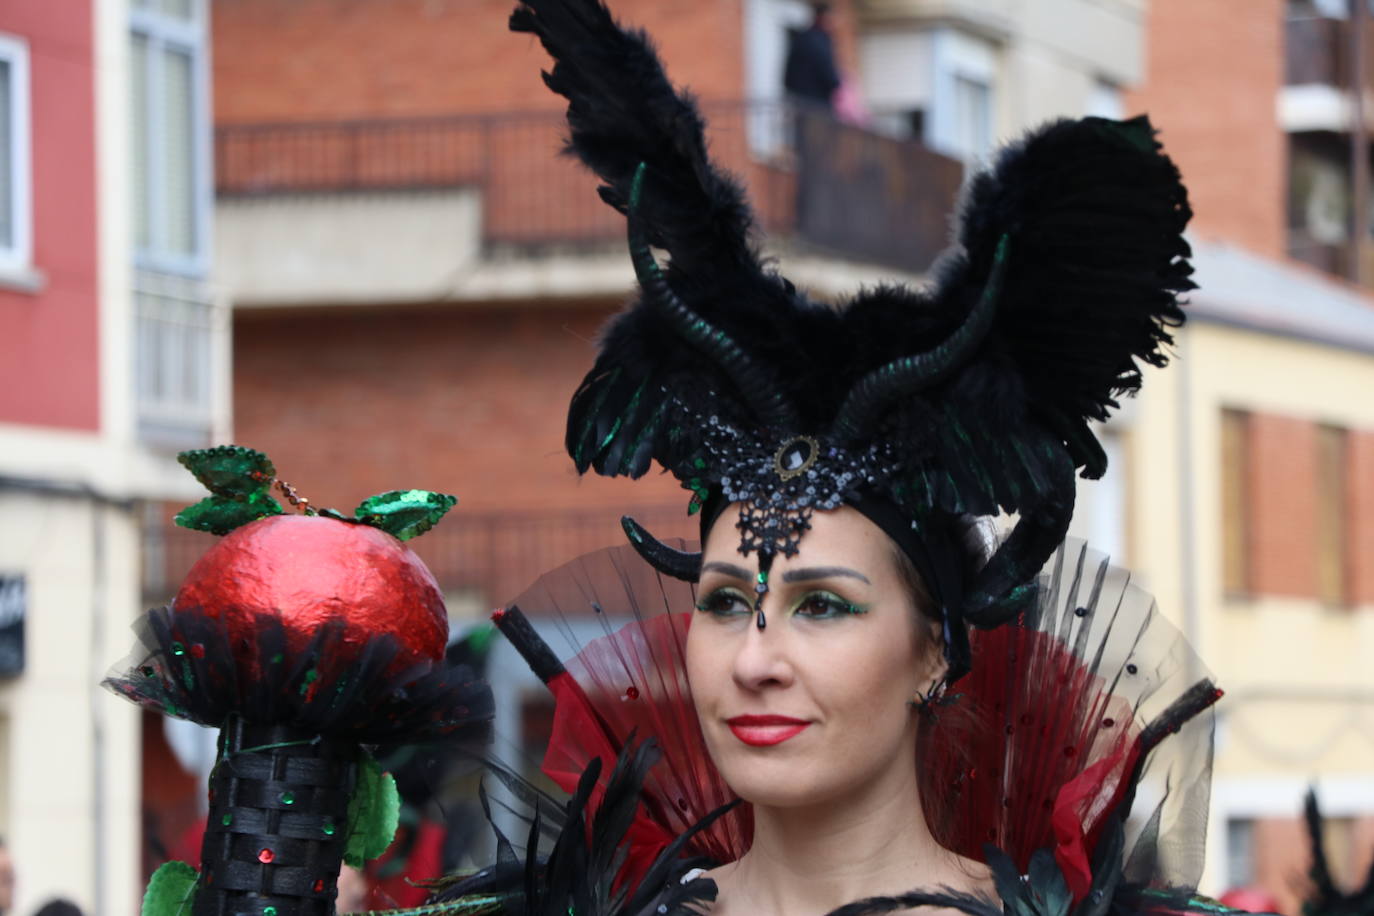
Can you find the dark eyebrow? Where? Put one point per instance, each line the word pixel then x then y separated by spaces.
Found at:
pixel 729 569
pixel 823 572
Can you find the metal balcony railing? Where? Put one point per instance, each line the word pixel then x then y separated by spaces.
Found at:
pixel 851 191
pixel 490 557
pixel 1317 50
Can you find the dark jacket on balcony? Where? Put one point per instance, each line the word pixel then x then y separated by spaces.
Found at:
pixel 810 72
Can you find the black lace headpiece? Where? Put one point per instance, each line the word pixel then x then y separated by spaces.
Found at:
pixel 971 397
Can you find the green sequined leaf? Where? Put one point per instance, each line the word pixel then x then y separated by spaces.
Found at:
pixel 373 813
pixel 219 515
pixel 405 513
pixel 170 890
pixel 229 470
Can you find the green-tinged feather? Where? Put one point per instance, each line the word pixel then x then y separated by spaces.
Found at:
pixel 604 386
pixel 476 905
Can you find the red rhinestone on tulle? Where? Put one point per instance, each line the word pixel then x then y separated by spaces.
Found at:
pixel 319 885
pixel 632 692
pixel 266 856
pixel 198 650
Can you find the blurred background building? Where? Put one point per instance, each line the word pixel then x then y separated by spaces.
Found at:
pixel 113 354
pixel 339 232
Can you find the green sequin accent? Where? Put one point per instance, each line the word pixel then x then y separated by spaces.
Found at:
pixel 269 911
pixel 288 798
pixel 238 480
pixel 763 578
pixel 229 470
pixel 221 515
pixel 328 828
pixel 226 820
pixel 405 514
pixel 178 649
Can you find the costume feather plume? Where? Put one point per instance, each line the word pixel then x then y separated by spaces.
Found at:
pixel 1066 273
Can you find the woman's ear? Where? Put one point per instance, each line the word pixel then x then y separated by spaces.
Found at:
pixel 935 661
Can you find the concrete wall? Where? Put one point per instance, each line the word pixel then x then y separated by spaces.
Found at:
pixel 49 365
pixel 72 786
pixel 1297 673
pixel 367 247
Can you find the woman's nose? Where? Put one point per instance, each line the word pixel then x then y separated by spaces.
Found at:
pixel 761 660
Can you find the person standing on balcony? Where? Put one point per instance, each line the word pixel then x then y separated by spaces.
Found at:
pixel 810 74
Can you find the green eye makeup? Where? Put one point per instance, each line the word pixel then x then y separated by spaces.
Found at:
pixel 826 605
pixel 728 602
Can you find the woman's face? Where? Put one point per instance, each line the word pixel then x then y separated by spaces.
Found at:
pixel 815 705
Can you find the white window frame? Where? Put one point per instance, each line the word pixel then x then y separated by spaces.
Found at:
pixel 765 53
pixel 16 259
pixel 957 55
pixel 164 32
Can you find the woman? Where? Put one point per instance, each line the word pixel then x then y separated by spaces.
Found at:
pixel 845 624
pixel 812 720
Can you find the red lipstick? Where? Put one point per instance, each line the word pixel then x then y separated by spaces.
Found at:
pixel 764 731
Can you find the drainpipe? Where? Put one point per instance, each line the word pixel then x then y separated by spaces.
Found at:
pixel 1359 142
pixel 99 820
pixel 1187 499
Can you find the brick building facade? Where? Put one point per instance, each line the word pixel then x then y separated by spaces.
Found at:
pixel 386 134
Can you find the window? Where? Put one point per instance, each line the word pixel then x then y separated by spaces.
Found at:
pixel 1235 507
pixel 767 26
pixel 1100 510
pixel 1105 101
pixel 1240 852
pixel 177 330
pixel 1332 543
pixel 972 116
pixel 962 109
pixel 16 244
pixel 170 132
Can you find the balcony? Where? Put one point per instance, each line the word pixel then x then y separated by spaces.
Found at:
pixel 181 342
pixel 1316 51
pixel 840 190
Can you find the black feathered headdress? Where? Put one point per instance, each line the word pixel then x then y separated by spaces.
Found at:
pixel 917 407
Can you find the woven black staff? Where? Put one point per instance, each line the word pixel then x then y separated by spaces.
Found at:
pixel 275 837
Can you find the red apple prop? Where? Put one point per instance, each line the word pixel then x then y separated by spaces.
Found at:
pixel 310 569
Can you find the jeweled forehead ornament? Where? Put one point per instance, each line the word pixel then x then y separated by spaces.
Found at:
pixel 778 481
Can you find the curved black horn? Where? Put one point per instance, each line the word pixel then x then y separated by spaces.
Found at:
pixel 677 564
pixel 1005 585
pixel 871 394
pixel 757 388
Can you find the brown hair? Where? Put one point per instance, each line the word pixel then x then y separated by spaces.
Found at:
pixel 945 724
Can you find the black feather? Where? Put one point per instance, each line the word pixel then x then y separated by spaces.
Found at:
pixel 623 111
pixel 1073 243
pixel 582 871
pixel 1098 262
